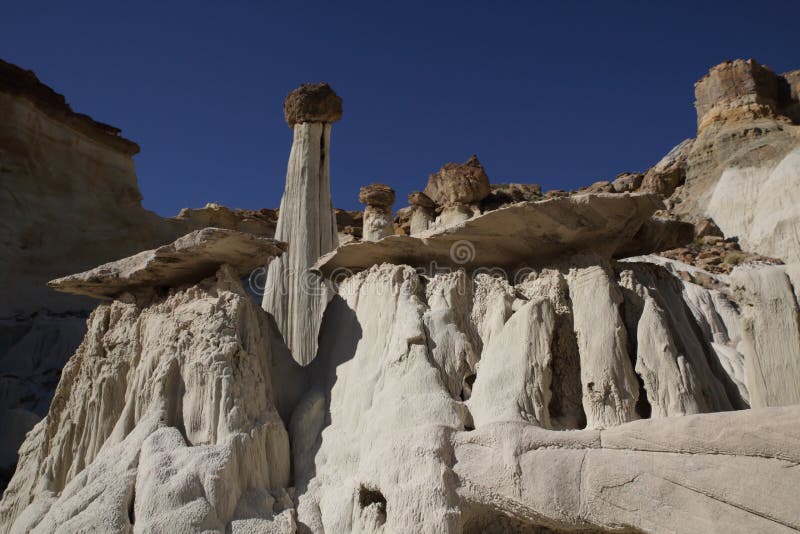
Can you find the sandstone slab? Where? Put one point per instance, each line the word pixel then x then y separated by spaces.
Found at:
pixel 524 234
pixel 190 258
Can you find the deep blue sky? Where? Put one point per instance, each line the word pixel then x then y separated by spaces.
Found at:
pixel 557 93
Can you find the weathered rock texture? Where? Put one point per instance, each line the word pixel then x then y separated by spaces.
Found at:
pixel 743 169
pixel 458 183
pixel 166 419
pixel 468 452
pixel 312 102
pixel 190 258
pixel 70 201
pixel 526 234
pixel 771 333
pixel 378 221
pixel 294 296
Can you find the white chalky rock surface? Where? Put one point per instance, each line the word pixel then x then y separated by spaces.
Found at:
pixel 165 420
pixel 435 404
pixel 295 297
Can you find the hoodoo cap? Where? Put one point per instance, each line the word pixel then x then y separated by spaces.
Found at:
pixel 312 102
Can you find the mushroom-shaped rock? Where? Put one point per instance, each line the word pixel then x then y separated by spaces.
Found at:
pixel 421 212
pixel 378 213
pixel 418 198
pixel 528 234
pixel 306 219
pixel 458 183
pixel 312 102
pixel 378 195
pixel 188 259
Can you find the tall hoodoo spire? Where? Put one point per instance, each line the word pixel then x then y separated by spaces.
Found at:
pixel 295 297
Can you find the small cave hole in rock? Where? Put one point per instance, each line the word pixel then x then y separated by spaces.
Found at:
pixel 370 497
pixel 466 389
pixel 131 505
pixel 643 408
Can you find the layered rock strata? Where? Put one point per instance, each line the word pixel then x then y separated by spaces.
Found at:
pixel 743 169
pixel 378 222
pixel 295 296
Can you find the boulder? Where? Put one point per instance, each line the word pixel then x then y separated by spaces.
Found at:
pixel 378 195
pixel 707 228
pixel 458 183
pixel 670 172
pixel 312 102
pixel 627 182
pixel 418 198
pixel 190 258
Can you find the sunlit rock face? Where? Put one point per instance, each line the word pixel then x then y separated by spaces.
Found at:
pixel 514 370
pixel 70 201
pixel 170 414
pixel 293 295
pixel 743 169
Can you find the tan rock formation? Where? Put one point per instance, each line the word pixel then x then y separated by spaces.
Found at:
pixel 378 213
pixel 293 295
pixel 458 183
pixel 744 167
pixel 312 102
pixel 669 173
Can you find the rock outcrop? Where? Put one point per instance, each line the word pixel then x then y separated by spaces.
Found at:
pixel 189 259
pixel 378 223
pixel 743 168
pixel 293 295
pixel 771 333
pixel 525 235
pixel 70 200
pixel 513 365
pixel 187 435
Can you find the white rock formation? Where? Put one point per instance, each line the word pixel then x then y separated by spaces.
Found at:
pixel 378 213
pixel 167 419
pixel 380 391
pixel 294 296
pixel 770 332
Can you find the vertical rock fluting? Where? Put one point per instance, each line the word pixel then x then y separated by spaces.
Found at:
pixel 294 296
pixel 378 213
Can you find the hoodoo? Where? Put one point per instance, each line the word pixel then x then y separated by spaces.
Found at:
pixel 378 213
pixel 295 297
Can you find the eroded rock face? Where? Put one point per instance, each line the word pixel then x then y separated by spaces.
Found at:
pixel 391 333
pixel 293 295
pixel 70 201
pixel 670 172
pixel 187 435
pixel 378 221
pixel 736 87
pixel 458 183
pixel 744 167
pixel 312 102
